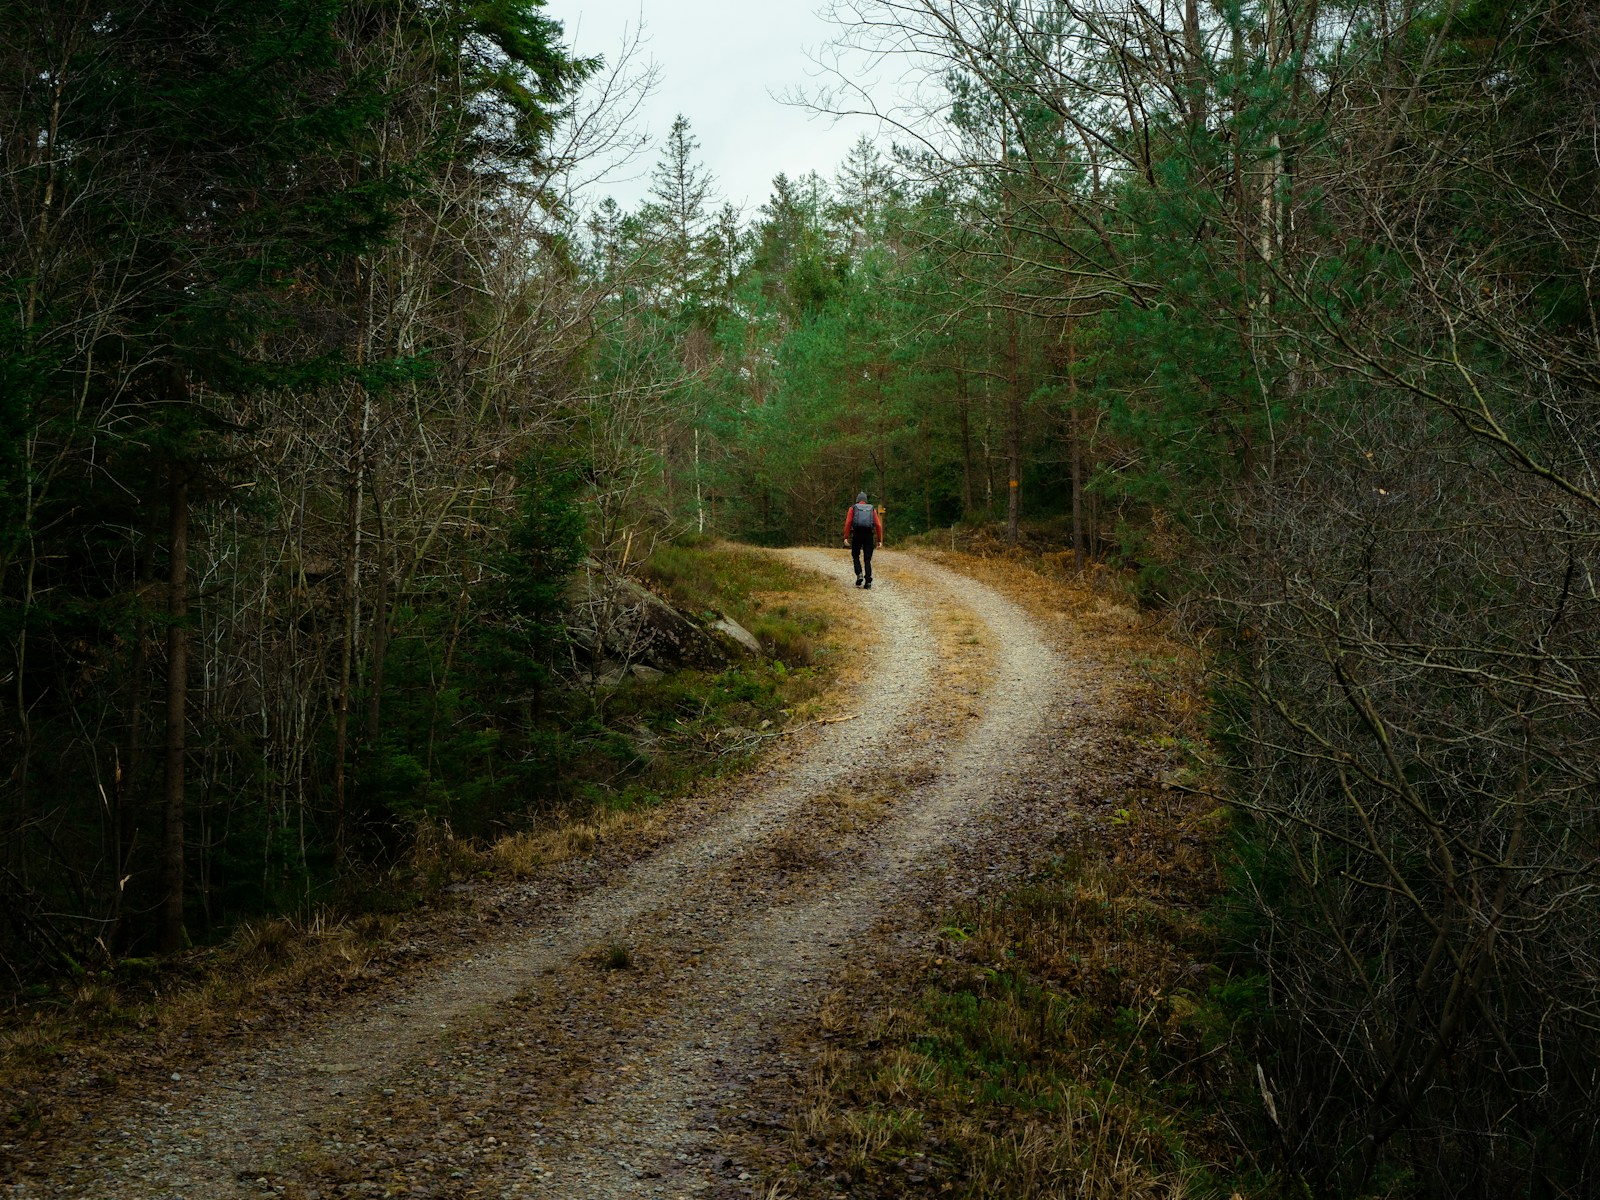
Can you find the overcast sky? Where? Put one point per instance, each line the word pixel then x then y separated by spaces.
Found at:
pixel 723 64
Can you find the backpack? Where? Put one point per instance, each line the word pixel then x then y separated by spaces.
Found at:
pixel 863 516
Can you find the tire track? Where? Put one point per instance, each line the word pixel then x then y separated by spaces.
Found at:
pixel 642 1139
pixel 254 1115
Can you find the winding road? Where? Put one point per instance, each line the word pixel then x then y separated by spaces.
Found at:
pixel 598 1049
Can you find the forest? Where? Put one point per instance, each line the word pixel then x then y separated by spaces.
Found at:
pixel 320 382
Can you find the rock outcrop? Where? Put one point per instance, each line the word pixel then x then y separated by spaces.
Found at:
pixel 738 635
pixel 620 624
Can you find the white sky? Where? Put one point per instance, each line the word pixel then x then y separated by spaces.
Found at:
pixel 723 64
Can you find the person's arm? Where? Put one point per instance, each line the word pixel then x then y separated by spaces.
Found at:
pixel 877 519
pixel 847 513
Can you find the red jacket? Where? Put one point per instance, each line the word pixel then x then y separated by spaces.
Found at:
pixel 877 521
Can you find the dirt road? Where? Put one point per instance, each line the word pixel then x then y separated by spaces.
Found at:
pixel 599 1050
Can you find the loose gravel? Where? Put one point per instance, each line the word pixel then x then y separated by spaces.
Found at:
pixel 600 1049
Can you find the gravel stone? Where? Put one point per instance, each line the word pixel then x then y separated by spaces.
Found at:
pixel 524 1068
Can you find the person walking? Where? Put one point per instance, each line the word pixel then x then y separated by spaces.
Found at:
pixel 863 528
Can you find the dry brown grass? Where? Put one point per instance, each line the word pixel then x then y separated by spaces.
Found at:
pixel 966 662
pixel 114 1030
pixel 1047 1052
pixel 529 852
pixel 1096 602
pixel 1062 1041
pixel 268 961
pixel 848 810
pixel 795 852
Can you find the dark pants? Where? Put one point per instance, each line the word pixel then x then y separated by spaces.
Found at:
pixel 861 543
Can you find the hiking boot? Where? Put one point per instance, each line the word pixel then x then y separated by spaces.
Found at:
pixel 858 581
pixel 867 584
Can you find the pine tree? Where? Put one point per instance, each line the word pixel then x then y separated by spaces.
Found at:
pixel 184 259
pixel 680 192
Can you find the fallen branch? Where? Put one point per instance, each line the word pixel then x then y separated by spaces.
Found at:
pixel 821 721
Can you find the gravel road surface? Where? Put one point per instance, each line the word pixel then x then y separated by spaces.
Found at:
pixel 597 1048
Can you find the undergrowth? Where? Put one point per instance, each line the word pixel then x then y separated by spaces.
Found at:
pixel 646 739
pixel 757 590
pixel 1077 1034
pixel 1070 1040
pixel 615 754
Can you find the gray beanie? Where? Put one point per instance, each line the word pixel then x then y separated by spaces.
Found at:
pixel 861 497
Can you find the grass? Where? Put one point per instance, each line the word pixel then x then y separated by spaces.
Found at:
pixel 527 852
pixel 646 740
pixel 1113 592
pixel 757 590
pixel 101 1035
pixel 1066 1038
pixel 1069 1035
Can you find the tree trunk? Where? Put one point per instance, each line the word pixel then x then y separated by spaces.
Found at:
pixel 1195 81
pixel 1075 450
pixel 966 450
pixel 352 595
pixel 130 793
pixel 172 931
pixel 380 626
pixel 883 439
pixel 1013 430
pixel 699 499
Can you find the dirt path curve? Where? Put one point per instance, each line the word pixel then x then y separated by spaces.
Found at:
pixel 602 1083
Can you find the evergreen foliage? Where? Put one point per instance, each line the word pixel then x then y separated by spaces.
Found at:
pixel 1289 309
pixel 202 201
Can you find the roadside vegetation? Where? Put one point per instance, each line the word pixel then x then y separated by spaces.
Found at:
pixel 628 749
pixel 1087 1030
pixel 322 385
